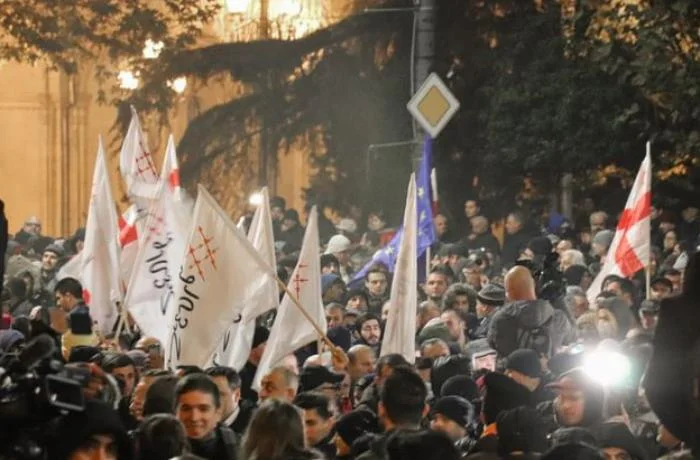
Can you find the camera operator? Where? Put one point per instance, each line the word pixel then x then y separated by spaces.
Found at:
pixel 95 433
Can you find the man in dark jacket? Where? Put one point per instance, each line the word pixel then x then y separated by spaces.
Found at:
pixel 401 406
pixel 516 239
pixel 198 407
pixel 528 322
pixel 489 299
pixel 524 367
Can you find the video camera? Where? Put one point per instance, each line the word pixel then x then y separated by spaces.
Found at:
pixel 35 392
pixel 550 284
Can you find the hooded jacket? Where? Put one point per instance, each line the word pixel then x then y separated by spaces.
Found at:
pixel 621 312
pixel 508 323
pixel 594 402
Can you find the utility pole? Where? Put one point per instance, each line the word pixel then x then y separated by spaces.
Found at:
pixel 423 52
pixel 266 150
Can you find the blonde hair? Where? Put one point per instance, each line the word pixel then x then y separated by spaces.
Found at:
pixel 70 340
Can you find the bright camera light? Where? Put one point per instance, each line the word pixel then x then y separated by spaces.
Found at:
pixel 608 368
pixel 256 199
pixel 151 49
pixel 128 80
pixel 178 85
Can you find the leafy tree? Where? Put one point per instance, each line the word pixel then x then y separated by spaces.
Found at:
pixel 550 87
pixel 68 31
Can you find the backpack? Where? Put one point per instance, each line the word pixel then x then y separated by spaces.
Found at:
pixel 508 334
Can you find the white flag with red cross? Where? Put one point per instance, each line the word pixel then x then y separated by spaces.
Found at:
pixel 630 248
pixel 149 296
pixel 220 272
pixel 237 341
pixel 400 331
pixel 129 243
pixel 137 166
pixel 291 329
pixel 100 255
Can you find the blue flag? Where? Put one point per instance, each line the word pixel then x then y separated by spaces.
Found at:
pixel 426 229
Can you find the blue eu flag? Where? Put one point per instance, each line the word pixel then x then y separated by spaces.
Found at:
pixel 426 230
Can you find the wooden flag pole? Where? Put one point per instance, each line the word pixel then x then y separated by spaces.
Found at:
pixel 319 331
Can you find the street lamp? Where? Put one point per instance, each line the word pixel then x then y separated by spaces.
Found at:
pixel 128 80
pixel 178 85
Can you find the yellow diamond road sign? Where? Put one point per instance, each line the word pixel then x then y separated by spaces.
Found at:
pixel 433 105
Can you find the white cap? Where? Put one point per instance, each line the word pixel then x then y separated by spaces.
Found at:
pixel 338 243
pixel 346 225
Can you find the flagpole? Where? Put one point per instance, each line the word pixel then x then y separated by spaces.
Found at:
pixel 319 331
pixel 648 267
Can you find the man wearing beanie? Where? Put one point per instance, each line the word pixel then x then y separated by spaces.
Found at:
pixel 488 300
pixel 524 367
pixel 351 427
pixel 96 432
pixel 453 415
pixel 617 441
pixel 500 394
pixel 247 374
pixel 579 402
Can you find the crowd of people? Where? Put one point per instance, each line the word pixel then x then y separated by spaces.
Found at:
pixel 512 359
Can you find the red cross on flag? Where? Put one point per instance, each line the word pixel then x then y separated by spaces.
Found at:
pixel 137 166
pixel 149 296
pixel 291 329
pixel 630 248
pixel 234 349
pixel 220 273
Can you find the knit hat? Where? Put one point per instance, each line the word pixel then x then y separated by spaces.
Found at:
pixel 355 424
pixel 460 385
pixel 521 430
pixel 260 336
pixel 502 394
pixel 603 238
pixel 619 436
pixel 455 408
pixel 492 294
pixel 650 306
pixel 446 367
pixel 98 418
pixel 540 246
pixel 313 377
pixel 338 243
pixel 340 337
pixel 84 354
pixel 526 362
pixel 56 249
pixel 9 338
pixel 139 357
pixel 329 280
pixel 573 452
pixel 573 435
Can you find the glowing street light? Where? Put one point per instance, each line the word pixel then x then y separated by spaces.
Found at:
pixel 256 199
pixel 128 80
pixel 151 49
pixel 178 85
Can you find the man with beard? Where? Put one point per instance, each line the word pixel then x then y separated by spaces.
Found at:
pixel 369 331
pixel 50 259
